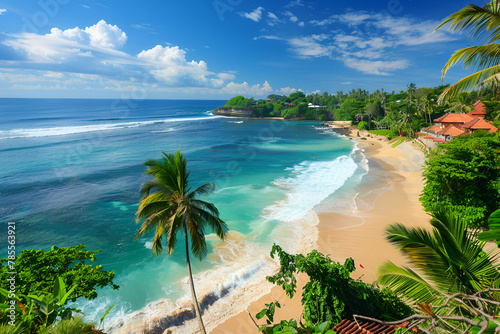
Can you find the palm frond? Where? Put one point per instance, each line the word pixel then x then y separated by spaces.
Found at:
pixel 481 22
pixel 482 57
pixel 217 225
pixel 405 281
pixel 469 83
pixel 202 190
pixel 197 236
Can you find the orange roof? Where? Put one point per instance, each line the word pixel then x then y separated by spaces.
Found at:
pixel 454 118
pixel 479 124
pixel 433 128
pixel 367 327
pixel 451 131
pixel 479 108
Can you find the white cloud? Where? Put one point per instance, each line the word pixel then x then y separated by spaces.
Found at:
pixel 272 19
pixel 76 46
pixel 99 35
pixel 286 91
pixel 378 67
pixel 294 3
pixel 310 46
pixel 272 37
pixel 292 17
pixel 169 65
pixel 346 83
pixel 2 11
pixel 255 15
pixel 92 52
pixel 300 24
pixel 54 75
pixel 245 89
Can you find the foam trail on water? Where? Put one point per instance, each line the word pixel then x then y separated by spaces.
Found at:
pixel 68 130
pixel 309 184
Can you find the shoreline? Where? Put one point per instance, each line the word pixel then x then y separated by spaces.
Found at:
pixel 392 197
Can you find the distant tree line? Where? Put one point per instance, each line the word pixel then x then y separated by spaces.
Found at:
pixel 404 112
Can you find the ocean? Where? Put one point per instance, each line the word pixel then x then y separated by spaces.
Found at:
pixel 71 170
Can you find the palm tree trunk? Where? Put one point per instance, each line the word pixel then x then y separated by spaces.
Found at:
pixel 193 293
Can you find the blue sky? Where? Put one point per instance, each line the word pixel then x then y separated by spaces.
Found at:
pixel 216 49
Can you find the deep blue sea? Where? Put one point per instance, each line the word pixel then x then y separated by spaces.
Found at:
pixel 71 171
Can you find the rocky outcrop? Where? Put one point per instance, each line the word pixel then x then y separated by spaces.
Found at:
pixel 233 112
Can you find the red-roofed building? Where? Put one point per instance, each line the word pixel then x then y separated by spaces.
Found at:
pixel 367 327
pixel 453 119
pixel 478 124
pixel 452 125
pixel 479 110
pixel 451 131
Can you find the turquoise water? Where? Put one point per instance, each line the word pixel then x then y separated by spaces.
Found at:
pixel 71 172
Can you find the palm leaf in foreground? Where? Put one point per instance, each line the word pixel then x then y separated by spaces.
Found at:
pixel 481 23
pixel 447 260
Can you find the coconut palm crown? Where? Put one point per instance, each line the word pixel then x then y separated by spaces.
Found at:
pixel 482 23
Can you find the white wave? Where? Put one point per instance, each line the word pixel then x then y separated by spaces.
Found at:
pixel 68 130
pixel 236 122
pixel 311 182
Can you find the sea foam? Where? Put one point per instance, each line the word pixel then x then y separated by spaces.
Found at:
pixel 309 183
pixel 69 130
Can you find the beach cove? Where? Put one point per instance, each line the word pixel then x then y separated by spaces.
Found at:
pixel 394 182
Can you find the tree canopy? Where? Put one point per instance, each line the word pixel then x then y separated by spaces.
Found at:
pixel 37 270
pixel 464 175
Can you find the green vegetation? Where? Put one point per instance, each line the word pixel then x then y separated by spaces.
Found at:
pixel 168 206
pixel 389 134
pixel 494 225
pixel 403 113
pixel 464 176
pixel 37 270
pixel 398 141
pixel 330 294
pixel 481 22
pixel 44 283
pixel 450 260
pixel 456 282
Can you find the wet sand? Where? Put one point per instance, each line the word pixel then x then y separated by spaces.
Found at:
pixel 391 197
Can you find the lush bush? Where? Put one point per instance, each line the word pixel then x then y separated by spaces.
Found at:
pixel 388 133
pixel 331 294
pixel 239 102
pixel 37 270
pixel 363 125
pixel 464 176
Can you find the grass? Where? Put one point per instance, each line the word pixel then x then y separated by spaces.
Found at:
pixel 389 134
pixel 398 141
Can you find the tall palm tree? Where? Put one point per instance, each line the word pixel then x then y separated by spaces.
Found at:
pixel 481 23
pixel 168 206
pixel 449 259
pixel 410 88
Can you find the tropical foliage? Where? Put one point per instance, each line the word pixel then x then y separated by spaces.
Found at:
pixel 483 24
pixel 464 176
pixel 330 294
pixel 37 270
pixel 494 229
pixel 449 260
pixel 39 311
pixel 168 206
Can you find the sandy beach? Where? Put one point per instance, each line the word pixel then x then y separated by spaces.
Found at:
pixel 391 197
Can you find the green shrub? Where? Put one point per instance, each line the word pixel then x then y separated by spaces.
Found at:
pixel 363 125
pixel 388 133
